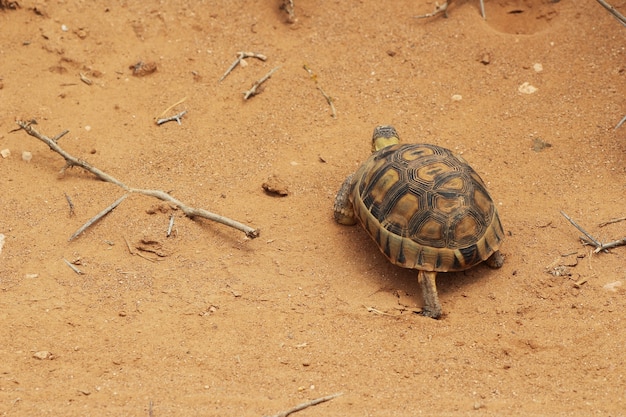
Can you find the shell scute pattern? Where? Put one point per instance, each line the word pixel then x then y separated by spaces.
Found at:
pixel 426 208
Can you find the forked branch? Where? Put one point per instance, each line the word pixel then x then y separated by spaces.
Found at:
pixel 190 212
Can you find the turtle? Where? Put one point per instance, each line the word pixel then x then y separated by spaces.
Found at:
pixel 425 208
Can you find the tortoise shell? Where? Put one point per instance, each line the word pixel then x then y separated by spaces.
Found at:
pixel 426 208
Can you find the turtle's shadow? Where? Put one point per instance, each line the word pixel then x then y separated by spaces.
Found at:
pixel 379 271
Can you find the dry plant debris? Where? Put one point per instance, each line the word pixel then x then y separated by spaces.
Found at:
pixel 590 240
pixel 241 56
pixel 255 89
pixel 289 8
pixel 620 17
pixel 307 404
pixel 71 161
pixel 329 100
pixel 443 8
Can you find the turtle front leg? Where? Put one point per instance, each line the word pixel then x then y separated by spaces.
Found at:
pixel 432 307
pixel 344 211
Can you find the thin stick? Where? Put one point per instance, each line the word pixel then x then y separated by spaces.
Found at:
pixel 620 219
pixel 609 245
pixel 171 225
pixel 482 9
pixel 162 115
pixel 190 212
pixel 84 79
pixel 176 118
pixel 69 202
pixel 596 243
pixel 307 404
pixel 621 122
pixel 78 271
pixel 329 99
pixel 614 12
pixel 241 56
pixel 97 217
pixel 253 91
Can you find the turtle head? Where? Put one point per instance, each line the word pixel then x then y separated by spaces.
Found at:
pixel 384 136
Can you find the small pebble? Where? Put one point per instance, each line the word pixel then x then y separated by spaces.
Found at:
pixel 612 286
pixel 5 153
pixel 27 156
pixel 43 354
pixel 526 88
pixel 457 97
pixel 275 186
pixel 87 128
pixel 538 67
pixel 64 28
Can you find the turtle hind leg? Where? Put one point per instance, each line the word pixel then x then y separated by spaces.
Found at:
pixel 432 307
pixel 496 260
pixel 344 211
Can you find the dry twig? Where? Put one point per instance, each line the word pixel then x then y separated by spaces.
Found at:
pixel 329 99
pixel 68 263
pixel 97 217
pixel 173 118
pixel 253 90
pixel 617 220
pixel 240 61
pixel 170 226
pixel 590 240
pixel 307 404
pixel 69 202
pixel 620 17
pixel 190 212
pixel 84 79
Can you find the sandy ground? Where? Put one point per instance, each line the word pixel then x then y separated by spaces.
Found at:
pixel 208 322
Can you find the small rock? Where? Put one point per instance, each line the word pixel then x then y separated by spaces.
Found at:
pixel 31 276
pixel 27 156
pixel 478 405
pixel 43 354
pixel 275 186
pixel 612 286
pixel 141 69
pixel 5 153
pixel 2 240
pixel 457 97
pixel 538 67
pixel 526 88
pixel 485 58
